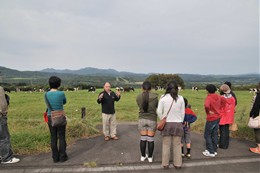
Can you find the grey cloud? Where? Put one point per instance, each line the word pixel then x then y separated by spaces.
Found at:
pixel 191 36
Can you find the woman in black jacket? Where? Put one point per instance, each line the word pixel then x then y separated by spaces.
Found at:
pixel 254 113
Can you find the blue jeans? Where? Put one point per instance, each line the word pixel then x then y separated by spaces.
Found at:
pixel 6 152
pixel 211 135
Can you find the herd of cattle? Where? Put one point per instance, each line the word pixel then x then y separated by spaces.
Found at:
pixel 120 89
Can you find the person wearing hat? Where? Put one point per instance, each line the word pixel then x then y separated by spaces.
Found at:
pixel 231 92
pixel 214 103
pixel 227 116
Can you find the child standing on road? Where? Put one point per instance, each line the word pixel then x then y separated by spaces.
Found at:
pixel 189 118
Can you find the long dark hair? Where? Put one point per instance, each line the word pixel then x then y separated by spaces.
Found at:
pixel 172 89
pixel 146 87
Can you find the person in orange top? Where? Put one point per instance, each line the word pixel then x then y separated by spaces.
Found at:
pixel 227 116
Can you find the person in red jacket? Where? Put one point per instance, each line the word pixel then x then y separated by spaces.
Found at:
pixel 214 103
pixel 227 116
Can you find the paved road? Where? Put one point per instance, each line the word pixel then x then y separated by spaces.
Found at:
pixel 124 155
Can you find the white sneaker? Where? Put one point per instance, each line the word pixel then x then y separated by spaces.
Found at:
pixel 13 160
pixel 150 159
pixel 207 153
pixel 144 158
pixel 214 153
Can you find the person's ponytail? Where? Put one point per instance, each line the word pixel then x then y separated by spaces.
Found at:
pixel 172 89
pixel 146 88
pixel 145 101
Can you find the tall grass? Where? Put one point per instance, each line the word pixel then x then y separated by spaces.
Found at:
pixel 30 134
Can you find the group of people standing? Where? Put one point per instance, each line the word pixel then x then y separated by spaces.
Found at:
pixel 220 112
pixel 219 109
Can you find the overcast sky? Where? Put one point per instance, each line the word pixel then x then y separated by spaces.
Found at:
pixel 163 36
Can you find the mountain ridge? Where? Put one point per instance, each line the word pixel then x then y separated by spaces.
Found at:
pixel 10 75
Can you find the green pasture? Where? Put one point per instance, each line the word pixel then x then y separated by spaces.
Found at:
pixel 29 133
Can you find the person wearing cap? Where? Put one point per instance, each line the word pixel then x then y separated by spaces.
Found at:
pixel 6 153
pixel 214 103
pixel 231 92
pixel 227 116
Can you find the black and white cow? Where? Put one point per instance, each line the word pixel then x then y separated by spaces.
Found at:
pixel 195 88
pixel 254 90
pixel 158 88
pixel 92 89
pixel 70 89
pixel 7 90
pixel 120 89
pixel 41 90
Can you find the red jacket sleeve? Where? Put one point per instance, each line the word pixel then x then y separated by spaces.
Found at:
pixel 207 105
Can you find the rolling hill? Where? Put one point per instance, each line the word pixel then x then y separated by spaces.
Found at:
pixel 95 76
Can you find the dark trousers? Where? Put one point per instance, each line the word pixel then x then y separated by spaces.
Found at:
pixel 211 135
pixel 224 136
pixel 58 133
pixel 257 135
pixel 6 152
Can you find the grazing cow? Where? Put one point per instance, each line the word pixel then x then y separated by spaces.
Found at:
pixel 254 90
pixel 179 88
pixel 76 89
pixel 7 90
pixel 41 90
pixel 195 89
pixel 128 89
pixel 92 89
pixel 158 88
pixel 70 89
pixel 27 89
pixel 121 89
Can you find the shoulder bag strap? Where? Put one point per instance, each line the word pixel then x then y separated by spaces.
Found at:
pixel 169 109
pixel 48 103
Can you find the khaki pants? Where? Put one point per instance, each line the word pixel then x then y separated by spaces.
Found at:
pixel 166 150
pixel 109 125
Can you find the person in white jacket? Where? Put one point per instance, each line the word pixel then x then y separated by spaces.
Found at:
pixel 173 131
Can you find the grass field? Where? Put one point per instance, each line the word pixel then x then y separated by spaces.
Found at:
pixel 29 133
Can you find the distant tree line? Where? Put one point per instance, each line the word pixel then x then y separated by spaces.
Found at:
pixel 161 80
